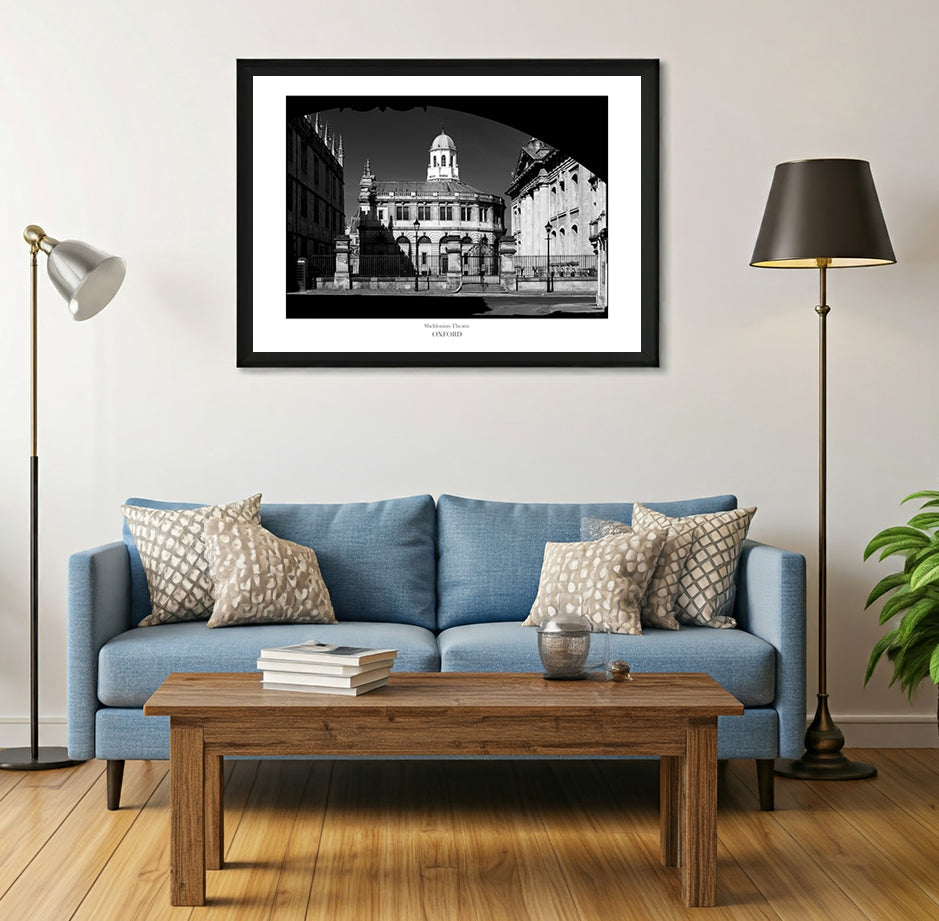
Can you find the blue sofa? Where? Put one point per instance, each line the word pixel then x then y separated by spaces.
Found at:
pixel 447 584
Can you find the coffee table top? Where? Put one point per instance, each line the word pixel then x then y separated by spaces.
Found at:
pixel 223 695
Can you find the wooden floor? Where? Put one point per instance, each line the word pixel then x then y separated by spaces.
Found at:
pixel 471 841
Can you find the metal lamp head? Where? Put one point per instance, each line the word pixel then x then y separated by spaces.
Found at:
pixel 85 276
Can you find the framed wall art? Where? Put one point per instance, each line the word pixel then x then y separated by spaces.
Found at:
pixel 448 212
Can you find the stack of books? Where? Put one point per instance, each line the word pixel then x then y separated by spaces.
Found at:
pixel 321 668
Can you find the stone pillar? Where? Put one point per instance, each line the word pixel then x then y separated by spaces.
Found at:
pixel 342 277
pixel 507 250
pixel 454 264
pixel 599 243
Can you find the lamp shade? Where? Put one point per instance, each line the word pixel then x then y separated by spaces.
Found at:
pixel 822 210
pixel 86 277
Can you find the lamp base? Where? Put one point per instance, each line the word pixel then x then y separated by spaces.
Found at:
pixel 812 768
pixel 47 759
pixel 822 759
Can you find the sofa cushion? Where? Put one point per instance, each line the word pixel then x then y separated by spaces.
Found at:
pixel 377 558
pixel 172 552
pixel 263 579
pixel 490 553
pixel 740 662
pixel 133 664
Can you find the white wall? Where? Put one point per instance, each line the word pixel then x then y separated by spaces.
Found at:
pixel 117 126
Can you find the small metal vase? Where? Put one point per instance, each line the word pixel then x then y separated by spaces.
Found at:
pixel 563 645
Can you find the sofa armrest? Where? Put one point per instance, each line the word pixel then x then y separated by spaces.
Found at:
pixel 771 605
pixel 98 609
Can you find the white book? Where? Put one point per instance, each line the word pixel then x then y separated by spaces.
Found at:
pixel 312 651
pixel 314 689
pixel 327 681
pixel 267 663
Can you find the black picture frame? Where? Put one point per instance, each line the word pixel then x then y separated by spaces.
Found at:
pixel 623 331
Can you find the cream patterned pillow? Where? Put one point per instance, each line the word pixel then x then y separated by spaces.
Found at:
pixel 173 556
pixel 603 579
pixel 260 578
pixel 707 588
pixel 658 604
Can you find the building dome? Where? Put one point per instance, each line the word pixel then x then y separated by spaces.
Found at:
pixel 443 142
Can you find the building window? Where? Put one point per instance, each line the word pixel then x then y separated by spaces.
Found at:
pixel 289 146
pixel 304 159
pixel 443 159
pixel 423 258
pixel 435 159
pixel 316 210
pixel 574 230
pixel 446 212
pixel 402 212
pixel 304 208
pixel 466 213
pixel 423 212
pixel 316 170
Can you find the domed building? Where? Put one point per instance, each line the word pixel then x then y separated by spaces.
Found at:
pixel 412 221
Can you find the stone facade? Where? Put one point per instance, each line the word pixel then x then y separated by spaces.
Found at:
pixel 549 188
pixel 447 211
pixel 315 190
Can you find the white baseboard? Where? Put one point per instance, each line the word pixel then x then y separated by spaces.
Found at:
pixel 14 731
pixel 860 731
pixel 887 730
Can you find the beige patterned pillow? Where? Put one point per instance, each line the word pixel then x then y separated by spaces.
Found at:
pixel 173 556
pixel 658 604
pixel 603 579
pixel 260 578
pixel 707 588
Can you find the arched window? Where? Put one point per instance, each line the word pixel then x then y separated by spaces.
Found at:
pixel 574 178
pixel 574 230
pixel 435 159
pixel 443 159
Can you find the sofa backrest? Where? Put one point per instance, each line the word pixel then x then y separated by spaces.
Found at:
pixel 377 558
pixel 489 554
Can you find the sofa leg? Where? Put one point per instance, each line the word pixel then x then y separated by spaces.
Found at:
pixel 765 778
pixel 115 780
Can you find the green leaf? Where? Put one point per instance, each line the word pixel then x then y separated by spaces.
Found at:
pixel 925 572
pixel 932 503
pixel 880 647
pixel 934 666
pixel 905 598
pixel 922 494
pixel 913 618
pixel 895 536
pixel 926 521
pixel 888 583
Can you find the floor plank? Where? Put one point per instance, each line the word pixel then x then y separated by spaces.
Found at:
pixel 859 865
pixel 473 841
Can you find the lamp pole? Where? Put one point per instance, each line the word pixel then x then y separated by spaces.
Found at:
pixel 417 229
pixel 547 236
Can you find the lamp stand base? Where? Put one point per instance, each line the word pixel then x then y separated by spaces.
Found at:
pixel 47 759
pixel 822 759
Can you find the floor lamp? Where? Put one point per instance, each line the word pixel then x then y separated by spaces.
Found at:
pixel 87 279
pixel 823 214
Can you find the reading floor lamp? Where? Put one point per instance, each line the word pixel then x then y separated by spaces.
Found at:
pixel 87 279
pixel 823 214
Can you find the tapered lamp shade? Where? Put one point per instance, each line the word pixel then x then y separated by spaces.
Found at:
pixel 822 210
pixel 86 277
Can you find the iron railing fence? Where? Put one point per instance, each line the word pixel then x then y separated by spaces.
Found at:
pixel 584 266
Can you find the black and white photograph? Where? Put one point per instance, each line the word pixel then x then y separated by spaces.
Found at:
pixel 423 228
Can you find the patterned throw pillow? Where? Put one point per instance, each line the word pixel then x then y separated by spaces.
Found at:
pixel 603 579
pixel 658 604
pixel 173 556
pixel 707 588
pixel 260 578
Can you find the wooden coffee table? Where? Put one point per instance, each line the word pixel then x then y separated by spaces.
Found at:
pixel 450 713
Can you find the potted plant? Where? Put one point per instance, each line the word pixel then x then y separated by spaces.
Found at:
pixel 912 645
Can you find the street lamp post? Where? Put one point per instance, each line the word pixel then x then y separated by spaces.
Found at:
pixel 417 230
pixel 547 234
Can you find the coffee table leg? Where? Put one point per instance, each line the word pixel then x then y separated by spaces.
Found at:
pixel 669 808
pixel 187 814
pixel 214 812
pixel 699 816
